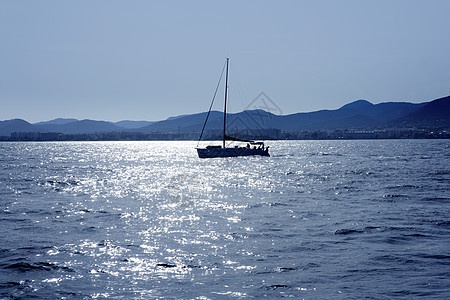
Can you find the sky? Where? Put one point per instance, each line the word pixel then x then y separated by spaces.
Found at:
pixel 149 60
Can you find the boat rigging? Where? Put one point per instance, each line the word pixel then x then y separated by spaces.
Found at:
pixel 252 148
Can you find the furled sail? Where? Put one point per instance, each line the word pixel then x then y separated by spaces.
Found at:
pixel 229 138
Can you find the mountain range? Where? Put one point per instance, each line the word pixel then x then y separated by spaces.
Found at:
pixel 360 114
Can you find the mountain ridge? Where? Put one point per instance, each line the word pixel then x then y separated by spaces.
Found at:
pixel 359 114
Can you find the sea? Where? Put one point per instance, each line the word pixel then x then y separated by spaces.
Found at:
pixel 357 219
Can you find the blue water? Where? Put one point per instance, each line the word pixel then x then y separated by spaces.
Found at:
pixel 140 220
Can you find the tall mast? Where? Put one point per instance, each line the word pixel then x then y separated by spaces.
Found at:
pixel 225 108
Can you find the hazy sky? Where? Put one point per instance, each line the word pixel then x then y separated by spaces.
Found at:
pixel 149 60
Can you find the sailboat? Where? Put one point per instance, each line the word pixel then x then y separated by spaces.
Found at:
pixel 250 149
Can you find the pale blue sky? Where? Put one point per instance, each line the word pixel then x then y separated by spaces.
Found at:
pixel 148 60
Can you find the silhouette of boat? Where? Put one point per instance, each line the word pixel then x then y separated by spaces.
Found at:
pixel 251 148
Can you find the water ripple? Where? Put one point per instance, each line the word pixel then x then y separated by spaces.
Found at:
pixel 138 220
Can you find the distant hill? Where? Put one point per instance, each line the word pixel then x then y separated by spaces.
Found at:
pixel 58 121
pixel 435 114
pixel 360 114
pixel 249 119
pixel 382 112
pixel 80 127
pixel 123 125
pixel 9 126
pixel 132 124
pixel 185 123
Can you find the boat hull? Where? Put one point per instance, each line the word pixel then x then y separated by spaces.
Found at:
pixel 230 152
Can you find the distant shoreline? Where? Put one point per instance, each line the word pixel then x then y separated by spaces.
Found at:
pixel 443 137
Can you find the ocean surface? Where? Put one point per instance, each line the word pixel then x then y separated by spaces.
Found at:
pixel 143 220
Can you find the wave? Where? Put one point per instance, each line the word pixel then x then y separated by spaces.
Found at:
pixel 39 266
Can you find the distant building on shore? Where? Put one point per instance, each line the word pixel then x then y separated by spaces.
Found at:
pixel 247 134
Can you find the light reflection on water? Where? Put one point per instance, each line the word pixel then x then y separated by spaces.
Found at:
pixel 150 219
